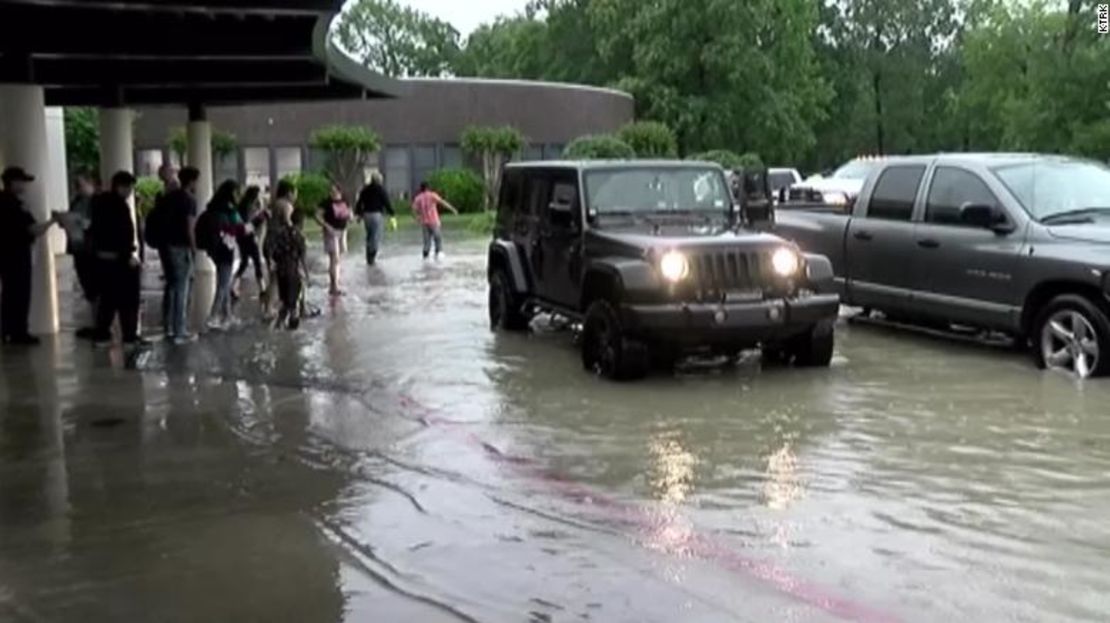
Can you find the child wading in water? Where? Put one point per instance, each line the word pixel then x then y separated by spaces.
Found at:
pixel 285 247
pixel 426 206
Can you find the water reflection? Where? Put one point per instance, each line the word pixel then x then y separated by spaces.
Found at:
pixel 783 484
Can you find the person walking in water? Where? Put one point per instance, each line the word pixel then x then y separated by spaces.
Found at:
pixel 373 206
pixel 113 236
pixel 250 211
pixel 18 232
pixel 178 252
pixel 426 206
pixel 285 249
pixel 218 229
pixel 334 215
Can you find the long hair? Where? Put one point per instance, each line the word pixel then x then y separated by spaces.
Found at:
pixel 224 195
pixel 250 196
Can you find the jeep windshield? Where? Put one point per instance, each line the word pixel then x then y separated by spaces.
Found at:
pixel 1060 191
pixel 649 191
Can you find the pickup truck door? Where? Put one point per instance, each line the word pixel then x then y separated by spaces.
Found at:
pixel 879 241
pixel 967 273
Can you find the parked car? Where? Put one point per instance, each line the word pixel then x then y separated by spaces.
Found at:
pixel 1017 243
pixel 840 188
pixel 782 178
pixel 650 258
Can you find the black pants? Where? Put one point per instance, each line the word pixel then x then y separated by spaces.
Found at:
pixel 15 295
pixel 289 292
pixel 119 294
pixel 248 253
pixel 85 265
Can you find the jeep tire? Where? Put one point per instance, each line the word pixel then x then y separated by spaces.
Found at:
pixel 814 348
pixel 606 350
pixel 506 311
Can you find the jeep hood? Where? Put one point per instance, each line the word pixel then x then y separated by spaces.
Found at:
pixel 682 238
pixel 1086 232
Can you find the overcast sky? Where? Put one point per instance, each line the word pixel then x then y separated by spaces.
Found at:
pixel 466 15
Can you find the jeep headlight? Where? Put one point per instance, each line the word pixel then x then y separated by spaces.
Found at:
pixel 674 266
pixel 785 262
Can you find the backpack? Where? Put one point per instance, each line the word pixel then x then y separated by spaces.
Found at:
pixel 155 225
pixel 208 231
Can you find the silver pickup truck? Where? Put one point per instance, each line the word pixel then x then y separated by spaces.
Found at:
pixel 1018 243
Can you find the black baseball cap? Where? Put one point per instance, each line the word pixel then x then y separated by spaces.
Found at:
pixel 16 174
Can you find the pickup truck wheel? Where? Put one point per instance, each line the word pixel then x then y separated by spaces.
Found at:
pixel 606 351
pixel 813 349
pixel 1073 335
pixel 505 307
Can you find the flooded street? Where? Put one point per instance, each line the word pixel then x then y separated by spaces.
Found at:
pixel 396 461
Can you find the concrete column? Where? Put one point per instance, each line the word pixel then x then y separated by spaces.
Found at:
pixel 199 155
pixel 25 145
pixel 57 194
pixel 117 151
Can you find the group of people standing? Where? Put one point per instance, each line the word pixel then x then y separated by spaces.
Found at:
pixel 106 243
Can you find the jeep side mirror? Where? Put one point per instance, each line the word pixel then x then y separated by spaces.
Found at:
pixel 984 216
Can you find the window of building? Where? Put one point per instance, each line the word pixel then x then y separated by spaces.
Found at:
pixel 452 157
pixel 288 161
pixel 895 192
pixel 317 159
pixel 423 162
pixel 398 171
pixel 226 167
pixel 950 190
pixel 532 153
pixel 553 151
pixel 256 166
pixel 148 161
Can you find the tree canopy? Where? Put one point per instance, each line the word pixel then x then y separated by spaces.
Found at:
pixel 397 40
pixel 347 151
pixel 601 147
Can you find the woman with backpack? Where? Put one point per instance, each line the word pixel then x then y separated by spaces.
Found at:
pixel 250 211
pixel 333 216
pixel 217 231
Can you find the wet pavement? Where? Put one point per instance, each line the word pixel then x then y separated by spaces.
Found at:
pixel 395 461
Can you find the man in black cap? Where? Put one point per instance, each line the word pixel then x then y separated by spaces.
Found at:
pixel 18 232
pixel 112 234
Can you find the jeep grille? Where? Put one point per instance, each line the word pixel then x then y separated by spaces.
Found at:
pixel 716 273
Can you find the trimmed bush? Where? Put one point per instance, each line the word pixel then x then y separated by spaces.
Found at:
pixel 600 147
pixel 650 139
pixel 729 159
pixel 146 191
pixel 463 188
pixel 312 188
pixel 347 150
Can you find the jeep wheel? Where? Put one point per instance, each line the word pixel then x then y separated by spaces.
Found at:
pixel 813 349
pixel 505 307
pixel 1073 335
pixel 606 350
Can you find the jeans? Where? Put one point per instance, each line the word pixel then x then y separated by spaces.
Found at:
pixel 221 306
pixel 432 234
pixel 179 281
pixel 375 230
pixel 119 294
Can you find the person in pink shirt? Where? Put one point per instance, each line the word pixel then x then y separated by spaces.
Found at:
pixel 426 206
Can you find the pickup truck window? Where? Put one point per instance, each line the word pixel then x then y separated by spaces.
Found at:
pixel 952 188
pixel 1056 187
pixel 895 192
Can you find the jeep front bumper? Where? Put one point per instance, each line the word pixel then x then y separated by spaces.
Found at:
pixel 735 323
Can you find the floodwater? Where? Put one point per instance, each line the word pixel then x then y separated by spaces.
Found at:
pixel 395 461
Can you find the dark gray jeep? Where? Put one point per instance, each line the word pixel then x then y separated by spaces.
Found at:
pixel 652 259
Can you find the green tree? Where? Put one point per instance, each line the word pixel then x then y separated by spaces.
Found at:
pixel 397 40
pixel 223 143
pixel 347 151
pixel 650 139
pixel 493 146
pixel 82 130
pixel 727 159
pixel 312 189
pixel 463 188
pixel 146 191
pixel 599 147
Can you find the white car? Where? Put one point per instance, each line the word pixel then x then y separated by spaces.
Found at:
pixel 779 178
pixel 844 185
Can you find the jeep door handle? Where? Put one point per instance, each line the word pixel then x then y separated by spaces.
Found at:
pixel 862 234
pixel 928 243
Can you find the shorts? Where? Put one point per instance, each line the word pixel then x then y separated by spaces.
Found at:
pixel 335 243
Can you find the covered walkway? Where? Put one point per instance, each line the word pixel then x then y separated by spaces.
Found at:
pixel 116 54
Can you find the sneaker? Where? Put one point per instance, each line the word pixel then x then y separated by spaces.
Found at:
pixel 441 256
pixel 215 324
pixel 182 340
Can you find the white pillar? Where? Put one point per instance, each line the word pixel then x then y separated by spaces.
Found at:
pixel 57 193
pixel 199 155
pixel 117 150
pixel 25 145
